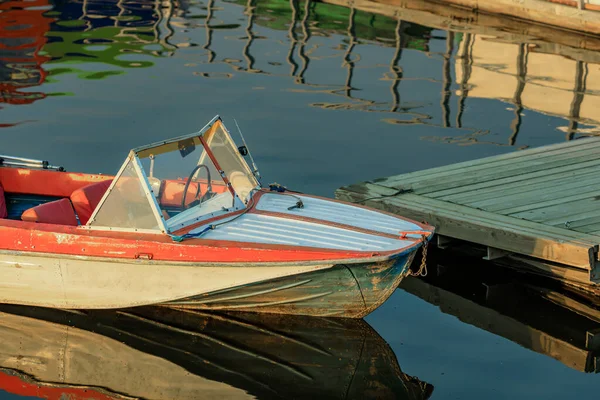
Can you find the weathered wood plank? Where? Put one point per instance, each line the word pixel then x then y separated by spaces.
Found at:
pixel 539 155
pixel 589 193
pixel 506 233
pixel 589 228
pixel 542 151
pixel 515 171
pixel 534 194
pixel 576 215
pixel 572 170
pixel 554 214
pixel 585 226
pixel 463 194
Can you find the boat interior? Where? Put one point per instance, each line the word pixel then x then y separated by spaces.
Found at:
pixel 54 197
pixel 184 187
pixel 156 181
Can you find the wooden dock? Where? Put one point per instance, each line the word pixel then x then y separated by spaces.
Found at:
pixel 540 207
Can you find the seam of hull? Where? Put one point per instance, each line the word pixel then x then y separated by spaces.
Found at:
pixel 271 303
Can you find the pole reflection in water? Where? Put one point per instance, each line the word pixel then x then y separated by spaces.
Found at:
pixel 348 62
pixel 466 58
pixel 395 69
pixel 517 99
pixel 293 37
pixel 303 42
pixel 250 7
pixel 447 82
pixel 95 40
pixel 160 353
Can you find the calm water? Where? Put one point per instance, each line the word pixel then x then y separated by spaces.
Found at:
pixel 326 96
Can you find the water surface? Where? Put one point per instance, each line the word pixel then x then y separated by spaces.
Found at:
pixel 326 95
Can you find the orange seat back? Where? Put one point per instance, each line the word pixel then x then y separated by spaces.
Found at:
pixel 171 194
pixel 86 199
pixel 58 212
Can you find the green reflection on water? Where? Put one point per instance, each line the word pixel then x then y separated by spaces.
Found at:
pixel 334 19
pixel 90 32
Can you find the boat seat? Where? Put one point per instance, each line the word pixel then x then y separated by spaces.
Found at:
pixel 59 212
pixel 3 210
pixel 86 199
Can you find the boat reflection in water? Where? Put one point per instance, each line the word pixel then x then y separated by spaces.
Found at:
pixel 159 353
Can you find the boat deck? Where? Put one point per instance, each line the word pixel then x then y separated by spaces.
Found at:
pixel 541 205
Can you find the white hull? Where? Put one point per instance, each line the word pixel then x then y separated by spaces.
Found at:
pixel 87 283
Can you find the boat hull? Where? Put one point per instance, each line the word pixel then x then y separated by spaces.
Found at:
pixel 318 289
pixel 344 290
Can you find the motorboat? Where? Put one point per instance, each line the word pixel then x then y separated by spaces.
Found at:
pixel 186 223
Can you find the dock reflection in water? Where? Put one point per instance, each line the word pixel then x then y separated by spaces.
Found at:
pixel 158 353
pixel 537 313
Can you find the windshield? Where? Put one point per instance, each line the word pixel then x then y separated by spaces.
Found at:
pixel 186 183
pixel 231 162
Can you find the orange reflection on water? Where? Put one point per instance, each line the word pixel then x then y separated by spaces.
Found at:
pixel 22 35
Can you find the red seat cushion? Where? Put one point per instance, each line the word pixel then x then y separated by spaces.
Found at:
pixel 86 199
pixel 3 211
pixel 58 212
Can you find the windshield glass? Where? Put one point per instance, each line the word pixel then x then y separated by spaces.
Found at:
pixel 231 162
pixel 179 183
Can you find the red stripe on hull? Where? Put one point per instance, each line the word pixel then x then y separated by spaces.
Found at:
pixel 31 237
pixel 16 385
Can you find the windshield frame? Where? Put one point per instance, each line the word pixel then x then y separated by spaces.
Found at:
pixel 134 157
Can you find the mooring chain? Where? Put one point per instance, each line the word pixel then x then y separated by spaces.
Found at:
pixel 423 268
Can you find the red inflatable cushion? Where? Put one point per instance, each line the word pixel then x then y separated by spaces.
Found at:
pixel 58 212
pixel 86 199
pixel 3 211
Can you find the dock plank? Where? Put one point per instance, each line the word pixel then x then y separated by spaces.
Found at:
pixel 534 193
pixel 586 158
pixel 559 212
pixel 494 161
pixel 523 177
pixel 474 192
pixel 577 215
pixel 493 164
pixel 587 193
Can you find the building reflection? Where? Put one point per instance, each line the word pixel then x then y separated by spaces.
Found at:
pixel 40 38
pixel 23 27
pixel 474 58
pixel 529 77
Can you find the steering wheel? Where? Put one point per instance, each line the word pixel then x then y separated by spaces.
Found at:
pixel 208 192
